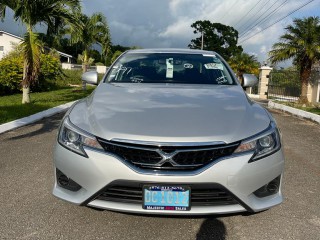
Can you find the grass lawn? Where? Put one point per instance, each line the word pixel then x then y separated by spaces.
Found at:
pixel 312 109
pixel 315 110
pixel 12 109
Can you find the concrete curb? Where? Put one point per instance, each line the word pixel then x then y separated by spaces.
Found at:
pixel 33 118
pixel 295 111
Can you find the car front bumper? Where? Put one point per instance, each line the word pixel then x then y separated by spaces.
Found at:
pixel 235 174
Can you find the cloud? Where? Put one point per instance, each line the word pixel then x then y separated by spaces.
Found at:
pixel 263 49
pixel 166 23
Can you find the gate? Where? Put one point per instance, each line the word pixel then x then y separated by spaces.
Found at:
pixel 284 85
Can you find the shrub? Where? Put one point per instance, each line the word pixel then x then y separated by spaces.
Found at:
pixel 72 77
pixel 11 73
pixel 50 72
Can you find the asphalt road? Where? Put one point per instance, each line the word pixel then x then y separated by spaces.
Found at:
pixel 29 211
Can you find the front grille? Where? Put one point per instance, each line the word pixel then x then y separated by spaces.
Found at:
pixel 201 194
pixel 168 157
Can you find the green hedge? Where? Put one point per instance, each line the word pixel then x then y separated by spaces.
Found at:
pixel 11 73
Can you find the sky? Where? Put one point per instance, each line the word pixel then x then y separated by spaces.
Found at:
pixel 166 23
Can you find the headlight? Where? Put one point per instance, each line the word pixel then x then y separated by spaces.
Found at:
pixel 262 145
pixel 75 139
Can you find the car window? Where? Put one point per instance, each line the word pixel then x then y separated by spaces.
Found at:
pixel 170 68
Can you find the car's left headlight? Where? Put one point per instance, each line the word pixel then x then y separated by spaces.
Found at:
pixel 264 144
pixel 75 139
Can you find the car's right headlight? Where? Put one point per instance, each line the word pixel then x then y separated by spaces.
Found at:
pixel 75 139
pixel 263 144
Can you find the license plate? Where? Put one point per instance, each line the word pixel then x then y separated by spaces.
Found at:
pixel 171 198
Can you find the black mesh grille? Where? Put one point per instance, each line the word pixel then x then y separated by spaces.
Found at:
pixel 184 157
pixel 202 157
pixel 139 156
pixel 201 194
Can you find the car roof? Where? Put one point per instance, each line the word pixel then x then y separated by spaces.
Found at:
pixel 171 50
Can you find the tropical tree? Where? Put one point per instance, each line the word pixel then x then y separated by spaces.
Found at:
pixel 115 56
pixel 92 30
pixel 244 63
pixel 31 13
pixel 301 42
pixel 216 37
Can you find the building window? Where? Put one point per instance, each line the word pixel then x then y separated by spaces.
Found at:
pixel 1 48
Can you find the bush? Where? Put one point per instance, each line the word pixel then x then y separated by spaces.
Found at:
pixel 50 72
pixel 72 77
pixel 11 73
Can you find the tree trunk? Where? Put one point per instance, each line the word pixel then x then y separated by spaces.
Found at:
pixel 26 94
pixel 84 69
pixel 305 73
pixel 25 86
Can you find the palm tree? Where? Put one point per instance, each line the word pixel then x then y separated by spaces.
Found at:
pixel 31 13
pixel 301 43
pixel 244 63
pixel 92 30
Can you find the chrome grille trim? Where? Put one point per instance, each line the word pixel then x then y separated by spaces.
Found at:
pixel 164 144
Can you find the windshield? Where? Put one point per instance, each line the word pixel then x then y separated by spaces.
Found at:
pixel 170 68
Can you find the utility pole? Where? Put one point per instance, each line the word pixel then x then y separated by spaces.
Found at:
pixel 202 40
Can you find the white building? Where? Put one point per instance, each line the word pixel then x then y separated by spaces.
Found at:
pixel 8 41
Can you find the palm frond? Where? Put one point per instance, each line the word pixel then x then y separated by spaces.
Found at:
pixel 32 48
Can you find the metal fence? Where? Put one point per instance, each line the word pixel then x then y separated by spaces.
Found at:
pixel 79 66
pixel 284 85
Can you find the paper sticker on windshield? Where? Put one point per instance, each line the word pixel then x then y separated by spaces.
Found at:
pixel 209 55
pixel 222 80
pixel 136 79
pixel 188 65
pixel 169 73
pixel 214 66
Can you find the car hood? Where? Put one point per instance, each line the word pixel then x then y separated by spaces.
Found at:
pixel 170 113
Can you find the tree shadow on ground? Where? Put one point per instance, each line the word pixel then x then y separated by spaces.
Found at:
pixel 46 125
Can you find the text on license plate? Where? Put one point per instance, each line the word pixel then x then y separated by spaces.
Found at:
pixel 174 198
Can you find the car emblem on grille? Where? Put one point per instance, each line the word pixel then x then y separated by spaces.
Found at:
pixel 166 158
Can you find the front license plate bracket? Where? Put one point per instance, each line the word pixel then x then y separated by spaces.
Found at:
pixel 167 198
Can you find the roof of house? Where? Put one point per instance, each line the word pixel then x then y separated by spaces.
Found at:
pixel 12 35
pixel 15 36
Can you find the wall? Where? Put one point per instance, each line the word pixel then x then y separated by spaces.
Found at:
pixel 7 42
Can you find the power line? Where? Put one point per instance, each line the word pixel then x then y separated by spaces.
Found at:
pixel 224 16
pixel 247 13
pixel 265 18
pixel 242 41
pixel 253 16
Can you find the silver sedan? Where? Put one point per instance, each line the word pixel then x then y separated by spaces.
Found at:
pixel 169 131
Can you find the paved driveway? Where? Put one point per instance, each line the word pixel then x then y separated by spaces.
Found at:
pixel 29 211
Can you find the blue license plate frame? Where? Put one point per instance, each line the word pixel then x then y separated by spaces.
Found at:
pixel 166 197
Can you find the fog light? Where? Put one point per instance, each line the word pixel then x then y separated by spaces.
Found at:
pixel 268 189
pixel 65 182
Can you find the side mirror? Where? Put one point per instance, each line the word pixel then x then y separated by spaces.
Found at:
pixel 90 77
pixel 249 80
